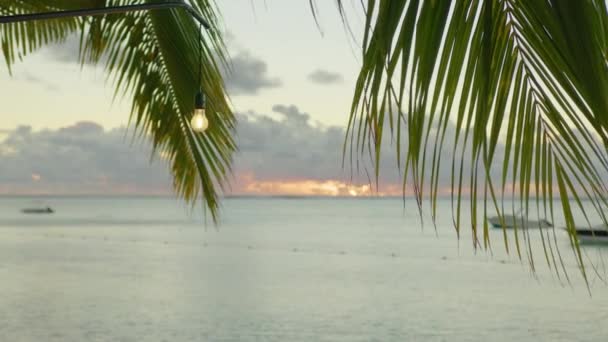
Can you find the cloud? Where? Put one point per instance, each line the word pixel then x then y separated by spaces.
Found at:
pixel 248 75
pixel 79 159
pixel 283 153
pixel 325 77
pixel 288 155
pixel 292 114
pixel 292 150
pixel 288 148
pixel 31 78
pixel 67 51
pixel 229 38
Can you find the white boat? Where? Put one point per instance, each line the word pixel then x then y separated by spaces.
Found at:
pixel 597 234
pixel 519 221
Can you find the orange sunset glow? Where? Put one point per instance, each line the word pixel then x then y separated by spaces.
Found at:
pixel 247 184
pixel 307 188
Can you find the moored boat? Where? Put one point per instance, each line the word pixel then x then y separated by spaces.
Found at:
pixel 597 234
pixel 517 221
pixel 46 210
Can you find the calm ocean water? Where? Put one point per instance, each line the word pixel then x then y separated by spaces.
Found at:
pixel 134 269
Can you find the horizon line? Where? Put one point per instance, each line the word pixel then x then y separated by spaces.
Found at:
pixel 254 196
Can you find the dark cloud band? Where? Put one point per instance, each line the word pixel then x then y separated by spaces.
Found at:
pixel 85 158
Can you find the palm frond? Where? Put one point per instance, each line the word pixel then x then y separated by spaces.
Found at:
pixel 17 40
pixel 531 75
pixel 153 58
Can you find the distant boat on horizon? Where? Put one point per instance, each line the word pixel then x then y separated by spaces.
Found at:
pixel 45 210
pixel 519 221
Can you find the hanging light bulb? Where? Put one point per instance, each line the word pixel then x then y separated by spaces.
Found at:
pixel 199 122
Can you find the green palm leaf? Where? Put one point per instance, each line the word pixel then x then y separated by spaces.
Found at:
pixel 153 58
pixel 531 75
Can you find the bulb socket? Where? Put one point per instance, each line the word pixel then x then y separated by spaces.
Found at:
pixel 199 100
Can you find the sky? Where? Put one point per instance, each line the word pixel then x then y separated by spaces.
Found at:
pixel 63 132
pixel 279 56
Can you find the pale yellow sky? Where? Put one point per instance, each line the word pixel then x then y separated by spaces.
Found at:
pixel 47 93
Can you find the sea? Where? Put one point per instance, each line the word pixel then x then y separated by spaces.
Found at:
pixel 284 269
